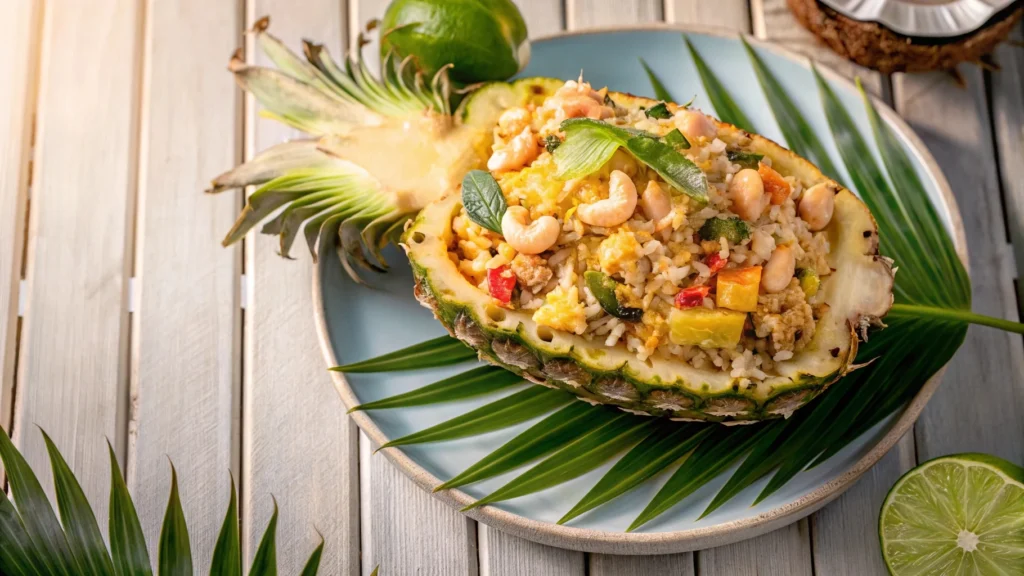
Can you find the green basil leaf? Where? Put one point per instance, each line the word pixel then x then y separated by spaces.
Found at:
pixel 584 153
pixel 676 139
pixel 483 200
pixel 672 166
pixel 744 159
pixel 659 110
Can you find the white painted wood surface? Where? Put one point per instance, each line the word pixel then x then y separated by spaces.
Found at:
pixel 19 53
pixel 312 467
pixel 73 359
pixel 214 387
pixel 186 326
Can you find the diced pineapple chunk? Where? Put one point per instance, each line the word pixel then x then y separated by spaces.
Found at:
pixel 706 328
pixel 737 288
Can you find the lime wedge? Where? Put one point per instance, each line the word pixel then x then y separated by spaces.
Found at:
pixel 955 515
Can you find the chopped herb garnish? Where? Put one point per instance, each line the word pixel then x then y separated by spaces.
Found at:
pixel 551 142
pixel 744 159
pixel 659 110
pixel 732 229
pixel 675 138
pixel 484 202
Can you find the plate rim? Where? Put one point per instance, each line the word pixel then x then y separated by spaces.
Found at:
pixel 636 543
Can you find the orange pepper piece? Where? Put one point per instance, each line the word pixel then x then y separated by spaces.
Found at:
pixel 774 184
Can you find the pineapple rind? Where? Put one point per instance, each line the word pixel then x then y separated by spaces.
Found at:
pixel 861 289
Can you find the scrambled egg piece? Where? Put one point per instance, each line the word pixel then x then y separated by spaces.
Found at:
pixel 562 311
pixel 619 253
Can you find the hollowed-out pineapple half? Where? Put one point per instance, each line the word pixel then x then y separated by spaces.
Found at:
pixel 855 294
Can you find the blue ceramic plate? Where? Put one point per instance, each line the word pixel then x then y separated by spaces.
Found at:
pixel 358 323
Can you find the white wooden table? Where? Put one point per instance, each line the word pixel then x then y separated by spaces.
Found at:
pixel 121 317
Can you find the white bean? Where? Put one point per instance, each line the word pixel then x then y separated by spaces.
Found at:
pixel 615 209
pixel 746 190
pixel 817 205
pixel 531 239
pixel 779 270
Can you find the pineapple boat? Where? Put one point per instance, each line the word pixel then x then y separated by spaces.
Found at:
pixel 633 252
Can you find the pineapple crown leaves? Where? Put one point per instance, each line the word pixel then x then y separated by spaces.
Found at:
pixel 36 543
pixel 895 362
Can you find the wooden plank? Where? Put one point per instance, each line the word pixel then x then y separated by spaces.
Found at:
pixel 19 61
pixel 543 17
pixel 733 15
pixel 73 360
pixel 582 14
pixel 784 552
pixel 504 555
pixel 772 20
pixel 1007 92
pixel 186 329
pixel 979 405
pixel 845 533
pixel 405 529
pixel 674 564
pixel 310 465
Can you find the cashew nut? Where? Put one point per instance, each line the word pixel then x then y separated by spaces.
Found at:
pixel 694 124
pixel 520 151
pixel 816 206
pixel 534 238
pixel 656 205
pixel 779 270
pixel 747 193
pixel 615 209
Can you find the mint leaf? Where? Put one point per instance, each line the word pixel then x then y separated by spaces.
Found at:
pixel 483 200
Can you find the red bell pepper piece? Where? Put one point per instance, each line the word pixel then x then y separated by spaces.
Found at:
pixel 501 281
pixel 691 297
pixel 715 263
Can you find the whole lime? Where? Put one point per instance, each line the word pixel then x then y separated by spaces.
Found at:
pixel 484 40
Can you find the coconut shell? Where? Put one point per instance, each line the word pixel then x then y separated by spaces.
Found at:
pixel 872 45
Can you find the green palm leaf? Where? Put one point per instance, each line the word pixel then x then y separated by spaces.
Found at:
pixel 508 411
pixel 80 527
pixel 264 563
pixel 575 459
pixel 551 433
pixel 49 547
pixel 475 382
pixel 127 544
pixel 441 351
pixel 797 131
pixel 313 564
pixel 17 553
pixel 227 552
pixel 665 446
pixel 725 107
pixel 174 555
pixel 659 89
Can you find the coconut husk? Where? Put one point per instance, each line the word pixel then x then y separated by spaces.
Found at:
pixel 872 45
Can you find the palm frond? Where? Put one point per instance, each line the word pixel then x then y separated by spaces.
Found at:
pixel 440 351
pixel 656 86
pixel 33 543
pixel 508 411
pixel 475 382
pixel 725 107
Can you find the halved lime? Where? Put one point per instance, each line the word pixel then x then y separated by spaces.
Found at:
pixel 960 514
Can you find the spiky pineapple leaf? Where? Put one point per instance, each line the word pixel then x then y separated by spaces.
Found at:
pixel 577 458
pixel 264 563
pixel 475 382
pixel 127 544
pixel 725 106
pixel 798 133
pixel 48 543
pixel 227 552
pixel 714 454
pixel 659 89
pixel 440 351
pixel 174 553
pixel 666 444
pixel 508 411
pixel 80 527
pixel 544 437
